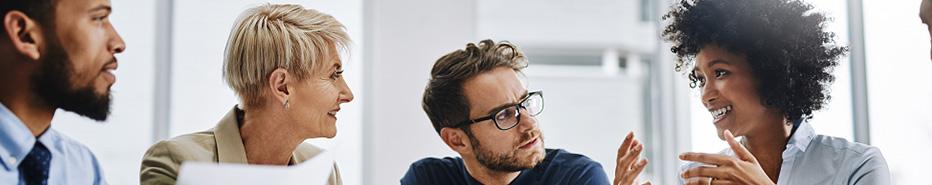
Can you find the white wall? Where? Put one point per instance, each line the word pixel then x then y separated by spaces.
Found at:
pixel 404 39
pixel 589 24
pixel 898 76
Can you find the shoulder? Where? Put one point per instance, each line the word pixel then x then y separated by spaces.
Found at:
pixel 853 153
pixel 863 162
pixel 71 147
pixel 75 152
pixel 188 146
pixel 82 163
pixel 435 170
pixel 433 164
pixel 566 167
pixel 162 160
pixel 200 146
pixel 842 145
pixel 563 158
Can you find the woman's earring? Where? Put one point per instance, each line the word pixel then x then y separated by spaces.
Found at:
pixel 286 103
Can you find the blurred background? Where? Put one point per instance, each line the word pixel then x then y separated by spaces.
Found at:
pixel 601 62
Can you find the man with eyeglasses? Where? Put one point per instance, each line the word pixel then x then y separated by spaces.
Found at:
pixel 480 107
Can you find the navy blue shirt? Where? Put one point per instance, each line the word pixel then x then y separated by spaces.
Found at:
pixel 558 167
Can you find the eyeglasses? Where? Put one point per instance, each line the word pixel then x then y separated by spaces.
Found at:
pixel 510 116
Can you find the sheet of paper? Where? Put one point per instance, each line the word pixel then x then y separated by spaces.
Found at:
pixel 311 172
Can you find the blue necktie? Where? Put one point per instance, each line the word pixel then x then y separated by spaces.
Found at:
pixel 35 167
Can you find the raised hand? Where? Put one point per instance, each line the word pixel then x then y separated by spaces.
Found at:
pixel 741 169
pixel 628 162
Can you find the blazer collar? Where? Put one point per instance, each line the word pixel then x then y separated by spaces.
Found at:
pixel 230 148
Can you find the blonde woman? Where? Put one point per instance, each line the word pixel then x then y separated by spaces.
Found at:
pixel 283 63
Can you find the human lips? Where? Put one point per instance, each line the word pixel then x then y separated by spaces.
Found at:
pixel 333 113
pixel 530 143
pixel 108 71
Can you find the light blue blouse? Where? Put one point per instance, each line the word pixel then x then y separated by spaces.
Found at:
pixel 817 159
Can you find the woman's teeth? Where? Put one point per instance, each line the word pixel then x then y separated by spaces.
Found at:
pixel 718 113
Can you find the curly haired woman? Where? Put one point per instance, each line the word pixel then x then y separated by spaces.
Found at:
pixel 763 67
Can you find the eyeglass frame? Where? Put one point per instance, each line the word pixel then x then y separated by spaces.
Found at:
pixel 518 106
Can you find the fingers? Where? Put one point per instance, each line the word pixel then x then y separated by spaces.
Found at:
pixel 698 181
pixel 627 165
pixel 625 145
pixel 627 177
pixel 708 181
pixel 623 159
pixel 739 149
pixel 631 156
pixel 622 152
pixel 706 171
pixel 638 168
pixel 723 182
pixel 713 159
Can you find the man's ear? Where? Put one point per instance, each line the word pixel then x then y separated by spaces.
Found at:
pixel 456 139
pixel 279 85
pixel 23 33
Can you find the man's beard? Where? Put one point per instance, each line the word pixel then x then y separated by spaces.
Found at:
pixel 53 85
pixel 505 162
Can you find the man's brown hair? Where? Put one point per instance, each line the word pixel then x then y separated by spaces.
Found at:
pixel 444 100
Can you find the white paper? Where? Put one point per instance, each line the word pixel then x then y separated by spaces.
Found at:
pixel 314 171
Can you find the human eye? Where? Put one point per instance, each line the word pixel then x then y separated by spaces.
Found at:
pixel 719 73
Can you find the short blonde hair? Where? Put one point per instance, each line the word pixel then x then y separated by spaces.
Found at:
pixel 273 36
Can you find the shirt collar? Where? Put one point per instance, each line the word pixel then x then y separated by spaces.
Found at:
pixel 15 139
pixel 800 138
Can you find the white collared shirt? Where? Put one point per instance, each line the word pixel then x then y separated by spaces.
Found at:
pixel 810 158
pixel 71 163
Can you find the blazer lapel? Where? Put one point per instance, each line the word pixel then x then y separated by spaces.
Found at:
pixel 229 143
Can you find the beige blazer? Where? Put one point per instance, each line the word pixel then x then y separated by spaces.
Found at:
pixel 221 144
